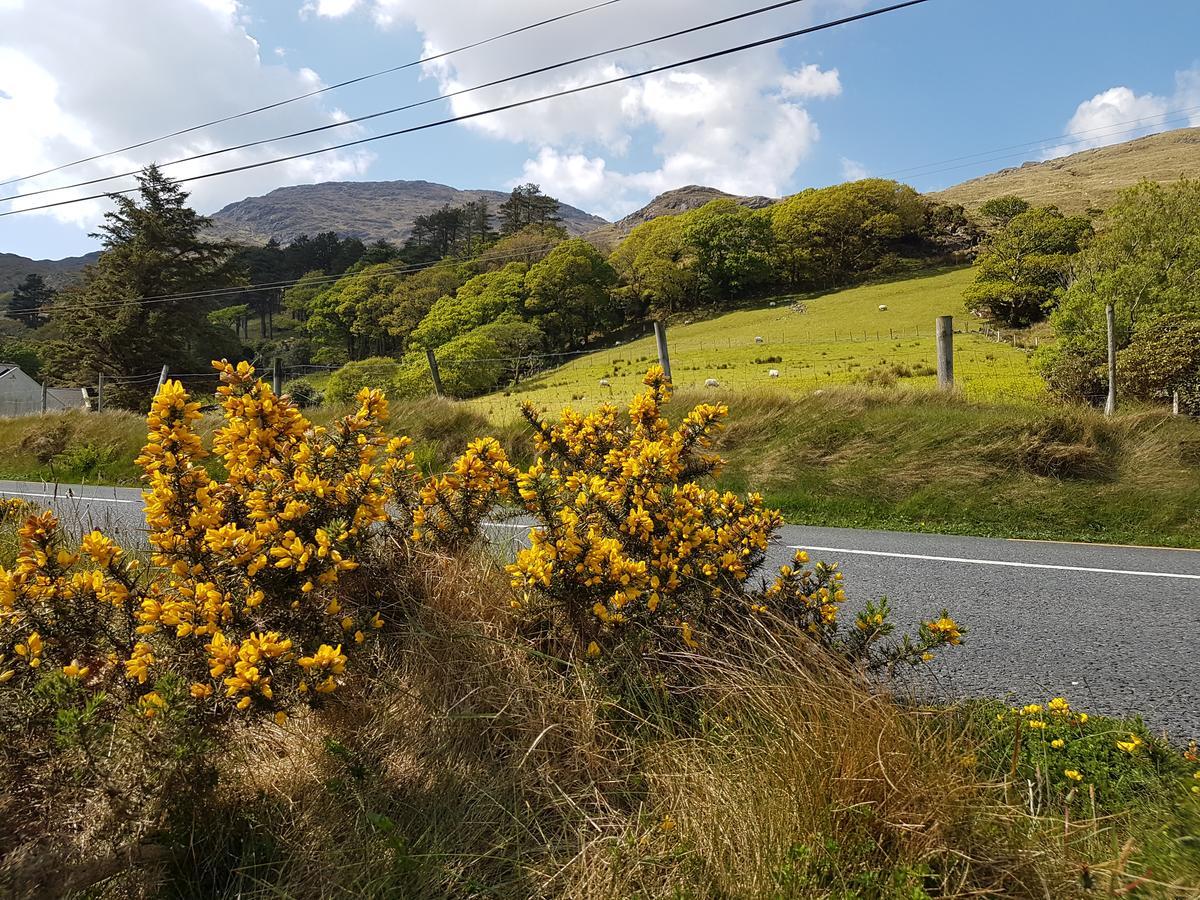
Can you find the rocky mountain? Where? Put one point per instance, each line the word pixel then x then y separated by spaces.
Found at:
pixel 370 210
pixel 1090 179
pixel 57 272
pixel 668 203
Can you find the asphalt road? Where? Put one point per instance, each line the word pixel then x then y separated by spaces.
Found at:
pixel 1114 629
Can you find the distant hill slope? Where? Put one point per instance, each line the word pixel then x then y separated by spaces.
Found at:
pixel 669 203
pixel 1091 178
pixel 57 272
pixel 369 210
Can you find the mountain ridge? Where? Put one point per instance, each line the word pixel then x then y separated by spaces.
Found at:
pixel 368 210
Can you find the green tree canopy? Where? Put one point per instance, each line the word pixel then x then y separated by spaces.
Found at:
pixel 153 249
pixel 999 211
pixel 1144 261
pixel 481 300
pixel 570 294
pixel 1026 265
pixel 827 236
pixel 30 301
pixel 656 267
pixel 731 245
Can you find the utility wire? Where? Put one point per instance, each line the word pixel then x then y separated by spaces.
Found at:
pixel 332 87
pixel 780 4
pixel 517 104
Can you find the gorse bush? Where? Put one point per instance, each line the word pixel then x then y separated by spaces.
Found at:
pixel 632 549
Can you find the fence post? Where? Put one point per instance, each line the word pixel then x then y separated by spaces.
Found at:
pixel 1174 401
pixel 162 379
pixel 664 357
pixel 1110 405
pixel 944 328
pixel 46 392
pixel 99 392
pixel 277 376
pixel 433 371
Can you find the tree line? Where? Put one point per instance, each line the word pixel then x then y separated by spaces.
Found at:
pixel 1141 255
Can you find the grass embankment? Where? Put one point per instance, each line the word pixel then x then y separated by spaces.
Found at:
pixel 837 338
pixel 862 457
pixel 911 461
pixel 471 761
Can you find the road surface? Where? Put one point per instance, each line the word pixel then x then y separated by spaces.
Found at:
pixel 1114 629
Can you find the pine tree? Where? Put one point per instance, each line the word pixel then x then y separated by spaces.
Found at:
pixel 153 250
pixel 30 301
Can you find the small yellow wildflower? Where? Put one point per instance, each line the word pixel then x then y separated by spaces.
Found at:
pixel 1073 774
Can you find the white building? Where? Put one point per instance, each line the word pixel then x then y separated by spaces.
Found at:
pixel 20 395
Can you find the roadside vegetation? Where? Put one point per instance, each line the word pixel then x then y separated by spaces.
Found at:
pixel 319 683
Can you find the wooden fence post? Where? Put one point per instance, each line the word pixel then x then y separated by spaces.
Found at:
pixel 1174 402
pixel 944 328
pixel 434 373
pixel 277 376
pixel 1110 405
pixel 162 379
pixel 99 392
pixel 46 392
pixel 664 356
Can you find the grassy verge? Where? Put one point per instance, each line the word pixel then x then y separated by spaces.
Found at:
pixel 889 458
pixel 921 462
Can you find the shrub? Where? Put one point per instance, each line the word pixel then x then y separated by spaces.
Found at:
pixel 303 393
pixel 1162 357
pixel 380 373
pixel 633 551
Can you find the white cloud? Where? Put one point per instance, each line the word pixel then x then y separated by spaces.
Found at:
pixel 812 81
pixel 90 79
pixel 332 9
pixel 1119 114
pixel 736 123
pixel 854 171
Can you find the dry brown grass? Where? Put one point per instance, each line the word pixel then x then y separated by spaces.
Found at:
pixel 1091 179
pixel 473 763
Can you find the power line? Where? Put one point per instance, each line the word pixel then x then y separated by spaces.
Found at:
pixel 409 106
pixel 517 104
pixel 332 87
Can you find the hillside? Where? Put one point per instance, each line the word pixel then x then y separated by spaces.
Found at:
pixel 668 203
pixel 57 272
pixel 1091 178
pixel 370 210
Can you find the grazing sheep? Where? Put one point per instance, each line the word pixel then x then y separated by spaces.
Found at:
pixel 604 382
pixel 774 373
pixel 711 382
pixel 772 304
pixel 758 340
pixel 883 307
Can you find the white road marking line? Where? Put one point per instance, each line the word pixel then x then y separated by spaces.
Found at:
pixel 76 497
pixel 997 562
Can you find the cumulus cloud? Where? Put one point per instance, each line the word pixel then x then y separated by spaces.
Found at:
pixel 1119 114
pixel 739 123
pixel 90 78
pixel 854 171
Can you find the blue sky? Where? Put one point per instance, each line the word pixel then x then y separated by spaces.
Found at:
pixel 896 96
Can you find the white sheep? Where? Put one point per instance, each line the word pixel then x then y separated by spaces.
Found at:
pixel 883 307
pixel 711 382
pixel 604 382
pixel 758 340
pixel 774 373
